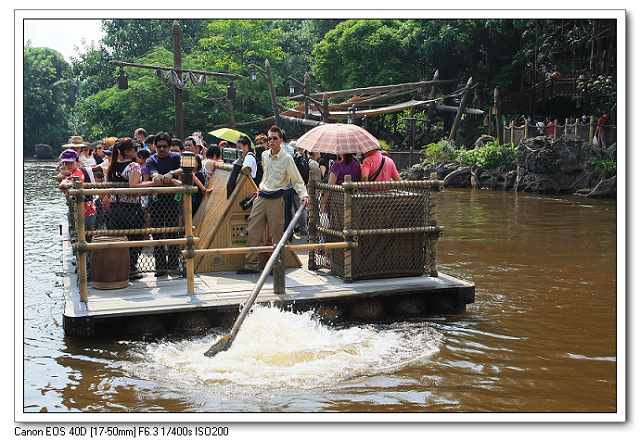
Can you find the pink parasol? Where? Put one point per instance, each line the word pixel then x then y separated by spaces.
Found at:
pixel 338 139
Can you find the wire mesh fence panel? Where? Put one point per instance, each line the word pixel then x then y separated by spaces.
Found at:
pixel 330 223
pixel 139 217
pixel 388 224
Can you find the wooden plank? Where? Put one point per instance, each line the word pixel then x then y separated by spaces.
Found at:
pixel 151 295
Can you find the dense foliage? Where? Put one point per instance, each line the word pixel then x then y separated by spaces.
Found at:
pixel 49 91
pixel 83 98
pixel 490 156
pixel 607 163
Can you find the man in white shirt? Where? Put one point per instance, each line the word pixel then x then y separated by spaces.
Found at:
pixel 249 155
pixel 268 207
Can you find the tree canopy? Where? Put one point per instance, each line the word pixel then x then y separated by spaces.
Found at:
pixel 61 100
pixel 49 92
pixel 359 53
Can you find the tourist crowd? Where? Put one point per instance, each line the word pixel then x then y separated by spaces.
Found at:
pixel 279 169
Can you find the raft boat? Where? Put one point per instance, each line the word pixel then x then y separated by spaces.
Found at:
pixel 370 256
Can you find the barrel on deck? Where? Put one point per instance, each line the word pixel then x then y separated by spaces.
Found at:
pixel 110 266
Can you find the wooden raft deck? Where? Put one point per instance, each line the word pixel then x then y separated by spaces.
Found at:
pixel 223 292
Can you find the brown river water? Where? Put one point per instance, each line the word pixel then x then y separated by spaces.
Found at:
pixel 541 338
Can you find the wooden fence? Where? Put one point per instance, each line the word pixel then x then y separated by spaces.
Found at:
pixel 514 134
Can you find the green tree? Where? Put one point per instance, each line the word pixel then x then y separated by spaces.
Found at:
pixel 106 111
pixel 360 53
pixel 48 93
pixel 460 49
pixel 147 103
pixel 230 46
pixel 297 41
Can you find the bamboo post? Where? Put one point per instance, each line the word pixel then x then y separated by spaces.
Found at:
pixel 279 275
pixel 575 127
pixel 466 96
pixel 188 227
pixel 81 261
pixel 272 90
pixel 229 108
pixel 526 128
pixel 513 132
pixel 348 255
pixel 312 219
pixel 497 102
pixel 432 97
pixel 412 144
pixel 566 126
pixel 307 92
pixel 433 221
pixel 592 127
pixel 176 33
pixel 325 109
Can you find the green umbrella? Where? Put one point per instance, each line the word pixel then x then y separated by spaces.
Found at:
pixel 230 135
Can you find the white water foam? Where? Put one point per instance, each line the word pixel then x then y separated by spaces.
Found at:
pixel 284 349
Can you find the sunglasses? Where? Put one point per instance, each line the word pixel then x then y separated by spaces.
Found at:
pixel 162 146
pixel 274 138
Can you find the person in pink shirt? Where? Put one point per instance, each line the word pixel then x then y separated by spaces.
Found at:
pixel 372 170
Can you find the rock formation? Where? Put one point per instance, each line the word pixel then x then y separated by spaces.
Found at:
pixel 561 165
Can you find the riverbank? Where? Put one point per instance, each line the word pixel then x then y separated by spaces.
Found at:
pixel 563 165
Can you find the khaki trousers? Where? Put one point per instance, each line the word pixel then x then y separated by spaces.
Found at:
pixel 264 212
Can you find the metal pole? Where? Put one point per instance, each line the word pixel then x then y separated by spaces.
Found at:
pixel 307 92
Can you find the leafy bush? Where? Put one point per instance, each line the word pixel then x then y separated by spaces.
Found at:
pixel 491 155
pixel 384 145
pixel 440 151
pixel 608 163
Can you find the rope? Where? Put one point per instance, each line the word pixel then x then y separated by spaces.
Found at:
pixel 180 83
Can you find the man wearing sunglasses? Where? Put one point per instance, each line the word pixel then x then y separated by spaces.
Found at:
pixel 164 209
pixel 268 207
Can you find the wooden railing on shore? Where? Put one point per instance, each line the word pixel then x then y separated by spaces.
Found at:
pixel 513 133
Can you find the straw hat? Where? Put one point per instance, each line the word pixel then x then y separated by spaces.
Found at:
pixel 75 142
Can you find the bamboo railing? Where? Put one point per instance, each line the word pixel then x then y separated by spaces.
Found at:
pixel 77 194
pixel 348 237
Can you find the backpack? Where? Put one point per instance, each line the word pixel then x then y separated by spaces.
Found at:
pixel 302 163
pixel 87 177
pixel 325 179
pixel 259 170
